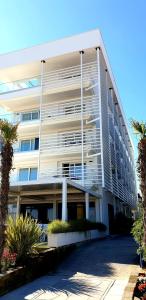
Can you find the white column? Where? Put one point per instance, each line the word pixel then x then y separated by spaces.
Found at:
pixel 18 206
pixel 64 200
pixel 40 125
pixel 54 210
pixel 100 111
pixel 97 209
pixel 101 212
pixel 87 205
pixel 82 121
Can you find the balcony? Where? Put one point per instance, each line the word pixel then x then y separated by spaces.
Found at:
pixel 70 110
pixel 70 143
pixel 52 81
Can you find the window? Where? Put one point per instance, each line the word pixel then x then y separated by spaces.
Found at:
pixel 30 145
pixel 29 116
pixel 27 174
pixel 73 170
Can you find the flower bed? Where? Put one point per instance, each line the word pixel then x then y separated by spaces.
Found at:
pixel 37 266
pixel 140 288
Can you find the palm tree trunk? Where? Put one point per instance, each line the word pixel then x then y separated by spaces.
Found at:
pixel 142 177
pixel 6 165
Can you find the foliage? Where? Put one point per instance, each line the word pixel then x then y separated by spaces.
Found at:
pixel 58 226
pixel 8 259
pixel 122 224
pixel 8 134
pixel 140 130
pixel 22 234
pixel 138 231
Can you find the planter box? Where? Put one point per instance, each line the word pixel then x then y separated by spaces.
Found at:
pixel 68 238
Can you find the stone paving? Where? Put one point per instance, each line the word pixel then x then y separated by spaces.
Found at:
pixel 98 270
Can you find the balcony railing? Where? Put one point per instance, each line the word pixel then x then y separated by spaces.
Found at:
pixel 70 142
pixel 92 174
pixel 53 79
pixel 70 109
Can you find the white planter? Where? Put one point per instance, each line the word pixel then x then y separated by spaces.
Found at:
pixel 68 238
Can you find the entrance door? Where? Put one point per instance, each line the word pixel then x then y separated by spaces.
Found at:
pixel 110 217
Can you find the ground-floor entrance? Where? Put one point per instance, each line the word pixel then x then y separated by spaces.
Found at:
pixel 44 213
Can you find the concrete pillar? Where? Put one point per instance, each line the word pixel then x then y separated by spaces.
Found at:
pixel 87 205
pixel 64 200
pixel 54 210
pixel 97 209
pixel 18 206
pixel 101 212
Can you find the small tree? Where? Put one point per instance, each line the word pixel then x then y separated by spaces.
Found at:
pixel 8 134
pixel 140 130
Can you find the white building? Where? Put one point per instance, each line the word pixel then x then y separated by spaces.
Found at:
pixel 74 156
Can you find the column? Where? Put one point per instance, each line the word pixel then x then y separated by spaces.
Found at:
pixel 82 121
pixel 18 206
pixel 40 126
pixel 64 200
pixel 87 205
pixel 101 213
pixel 97 209
pixel 54 210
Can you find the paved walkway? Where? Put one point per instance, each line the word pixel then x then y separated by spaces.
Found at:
pixel 98 270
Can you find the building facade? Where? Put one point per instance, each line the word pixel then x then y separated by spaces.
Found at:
pixel 74 157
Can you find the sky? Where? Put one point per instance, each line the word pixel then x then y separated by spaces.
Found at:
pixel 24 23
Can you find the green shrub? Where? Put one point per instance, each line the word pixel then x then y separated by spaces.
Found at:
pixel 58 226
pixel 21 235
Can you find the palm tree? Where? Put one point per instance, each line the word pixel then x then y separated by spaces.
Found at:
pixel 140 130
pixel 8 135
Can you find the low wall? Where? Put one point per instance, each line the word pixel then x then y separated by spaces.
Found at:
pixel 69 238
pixel 36 266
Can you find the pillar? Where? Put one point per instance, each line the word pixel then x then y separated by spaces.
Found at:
pixel 87 205
pixel 97 209
pixel 64 200
pixel 54 210
pixel 18 206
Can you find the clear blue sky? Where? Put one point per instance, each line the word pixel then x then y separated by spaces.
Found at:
pixel 24 23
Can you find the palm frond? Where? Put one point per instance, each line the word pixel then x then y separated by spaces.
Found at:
pixel 8 131
pixel 139 128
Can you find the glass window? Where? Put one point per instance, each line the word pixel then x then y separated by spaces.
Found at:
pixel 35 115
pixel 26 117
pixel 33 174
pixel 23 174
pixel 73 170
pixel 25 145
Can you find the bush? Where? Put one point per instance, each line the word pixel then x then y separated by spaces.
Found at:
pixel 58 226
pixel 122 224
pixel 21 235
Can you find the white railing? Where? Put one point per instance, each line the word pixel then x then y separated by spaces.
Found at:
pixel 71 109
pixel 92 175
pixel 62 77
pixel 70 142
